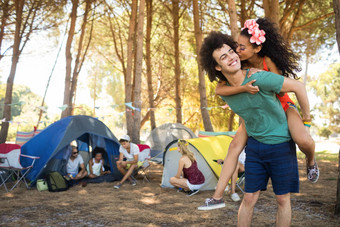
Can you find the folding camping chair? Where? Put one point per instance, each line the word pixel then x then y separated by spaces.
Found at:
pixel 10 155
pixel 240 181
pixel 144 157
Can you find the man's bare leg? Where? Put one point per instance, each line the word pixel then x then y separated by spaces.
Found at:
pixel 245 212
pixel 128 174
pixel 284 210
pixel 121 167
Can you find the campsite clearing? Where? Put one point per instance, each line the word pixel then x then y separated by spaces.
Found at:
pixel 147 204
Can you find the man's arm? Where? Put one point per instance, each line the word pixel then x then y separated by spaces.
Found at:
pixel 121 156
pixel 290 85
pixel 135 159
pixel 82 167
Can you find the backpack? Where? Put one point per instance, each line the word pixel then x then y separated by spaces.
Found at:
pixel 56 182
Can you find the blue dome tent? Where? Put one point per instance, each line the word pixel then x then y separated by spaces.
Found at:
pixel 52 145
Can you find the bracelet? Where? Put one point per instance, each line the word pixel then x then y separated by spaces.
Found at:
pixel 308 125
pixel 307 122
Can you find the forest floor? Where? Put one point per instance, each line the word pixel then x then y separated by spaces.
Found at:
pixel 147 204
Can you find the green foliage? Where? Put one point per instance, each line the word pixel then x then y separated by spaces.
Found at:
pixel 83 110
pixel 25 116
pixel 324 132
pixel 20 94
pixel 321 155
pixel 327 87
pixel 320 33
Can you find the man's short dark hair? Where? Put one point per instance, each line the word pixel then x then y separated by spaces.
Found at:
pixel 215 40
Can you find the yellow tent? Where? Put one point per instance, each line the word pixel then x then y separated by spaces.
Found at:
pixel 205 149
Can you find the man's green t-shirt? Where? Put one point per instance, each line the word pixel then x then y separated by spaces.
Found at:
pixel 262 112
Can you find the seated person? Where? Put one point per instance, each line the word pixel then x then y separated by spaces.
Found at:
pixel 74 163
pixel 239 169
pixel 95 168
pixel 130 151
pixel 192 179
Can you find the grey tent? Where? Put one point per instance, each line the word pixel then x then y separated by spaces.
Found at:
pixel 161 136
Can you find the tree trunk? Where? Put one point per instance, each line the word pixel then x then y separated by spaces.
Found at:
pixel 15 58
pixel 94 95
pixel 233 19
pixel 336 7
pixel 129 64
pixel 201 85
pixel 234 33
pixel 243 14
pixel 68 54
pixel 295 21
pixel 337 204
pixel 148 63
pixel 175 17
pixel 272 10
pixel 79 61
pixel 138 73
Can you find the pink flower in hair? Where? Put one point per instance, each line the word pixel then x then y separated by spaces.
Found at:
pixel 254 30
pixel 251 25
pixel 258 37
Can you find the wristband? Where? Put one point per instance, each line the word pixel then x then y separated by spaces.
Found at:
pixel 307 122
pixel 308 125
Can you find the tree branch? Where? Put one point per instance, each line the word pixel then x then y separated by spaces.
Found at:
pixel 313 21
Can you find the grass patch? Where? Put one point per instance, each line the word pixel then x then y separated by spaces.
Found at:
pixel 331 178
pixel 321 155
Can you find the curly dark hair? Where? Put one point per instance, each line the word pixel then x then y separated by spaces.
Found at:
pixel 276 49
pixel 212 42
pixel 98 150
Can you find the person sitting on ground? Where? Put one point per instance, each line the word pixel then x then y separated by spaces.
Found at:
pixel 95 168
pixel 192 179
pixel 239 169
pixel 74 163
pixel 130 151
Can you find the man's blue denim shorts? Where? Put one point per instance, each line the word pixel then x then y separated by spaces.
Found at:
pixel 275 161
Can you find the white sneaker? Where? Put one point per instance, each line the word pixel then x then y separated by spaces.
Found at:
pixel 227 189
pixel 235 197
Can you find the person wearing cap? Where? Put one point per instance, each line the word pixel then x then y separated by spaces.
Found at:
pixel 130 152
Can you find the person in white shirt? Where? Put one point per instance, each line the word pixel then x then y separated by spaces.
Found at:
pixel 239 169
pixel 130 151
pixel 74 163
